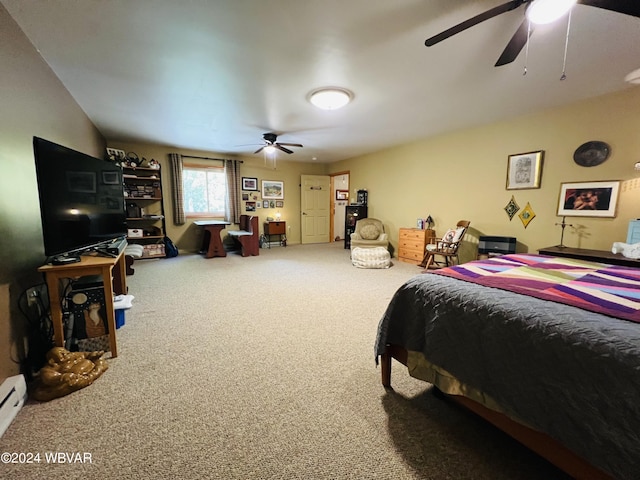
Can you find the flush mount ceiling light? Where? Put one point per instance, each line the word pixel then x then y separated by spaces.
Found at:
pixel 330 98
pixel 547 11
pixel 633 77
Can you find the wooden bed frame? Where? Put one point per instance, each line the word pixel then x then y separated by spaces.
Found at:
pixel 542 444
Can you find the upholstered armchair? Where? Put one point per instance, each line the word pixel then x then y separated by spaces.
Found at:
pixel 369 233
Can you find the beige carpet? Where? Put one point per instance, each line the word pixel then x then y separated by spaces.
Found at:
pixel 260 367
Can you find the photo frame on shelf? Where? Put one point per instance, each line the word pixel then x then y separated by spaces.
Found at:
pixel 115 154
pixel 524 170
pixel 588 199
pixel 272 190
pixel 342 194
pixel 250 184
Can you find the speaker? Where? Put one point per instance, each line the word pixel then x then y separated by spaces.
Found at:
pixel 496 245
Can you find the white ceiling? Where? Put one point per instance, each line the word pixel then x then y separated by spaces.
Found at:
pixel 213 75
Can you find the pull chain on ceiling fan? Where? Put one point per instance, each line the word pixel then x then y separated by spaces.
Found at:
pixel 524 31
pixel 566 47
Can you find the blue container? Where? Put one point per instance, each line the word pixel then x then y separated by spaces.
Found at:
pixel 119 318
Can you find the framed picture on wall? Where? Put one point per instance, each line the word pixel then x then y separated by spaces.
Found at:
pixel 342 194
pixel 272 190
pixel 588 199
pixel 265 204
pixel 524 170
pixel 279 204
pixel 250 184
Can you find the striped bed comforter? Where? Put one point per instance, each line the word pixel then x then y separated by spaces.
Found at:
pixel 597 287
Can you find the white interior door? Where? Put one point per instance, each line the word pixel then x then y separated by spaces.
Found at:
pixel 315 213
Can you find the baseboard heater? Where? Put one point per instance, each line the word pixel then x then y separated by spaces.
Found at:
pixel 13 394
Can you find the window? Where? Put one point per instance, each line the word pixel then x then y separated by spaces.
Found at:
pixel 205 191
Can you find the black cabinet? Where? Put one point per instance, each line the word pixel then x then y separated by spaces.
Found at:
pixel 353 214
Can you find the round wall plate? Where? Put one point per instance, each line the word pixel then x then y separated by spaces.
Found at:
pixel 591 154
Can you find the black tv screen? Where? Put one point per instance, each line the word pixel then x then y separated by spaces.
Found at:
pixel 81 199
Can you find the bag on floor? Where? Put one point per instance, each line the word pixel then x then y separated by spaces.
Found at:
pixel 170 249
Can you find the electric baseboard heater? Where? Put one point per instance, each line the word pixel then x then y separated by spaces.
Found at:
pixel 13 394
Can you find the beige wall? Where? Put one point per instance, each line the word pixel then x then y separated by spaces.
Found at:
pixel 34 102
pixel 462 175
pixel 188 237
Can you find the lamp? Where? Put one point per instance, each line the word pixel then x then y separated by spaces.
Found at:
pixel 429 222
pixel 547 11
pixel 330 98
pixel 633 77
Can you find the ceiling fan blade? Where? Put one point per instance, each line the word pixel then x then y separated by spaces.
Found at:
pixel 505 7
pixel 260 149
pixel 290 144
pixel 280 147
pixel 516 44
pixel 628 7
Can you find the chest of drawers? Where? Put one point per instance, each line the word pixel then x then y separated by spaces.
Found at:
pixel 411 244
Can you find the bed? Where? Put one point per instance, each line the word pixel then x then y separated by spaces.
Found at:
pixel 546 348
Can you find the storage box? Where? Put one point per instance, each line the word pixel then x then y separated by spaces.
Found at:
pixel 135 233
pixel 154 250
pixel 119 318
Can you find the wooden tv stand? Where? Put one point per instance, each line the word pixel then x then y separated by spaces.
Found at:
pixel 114 281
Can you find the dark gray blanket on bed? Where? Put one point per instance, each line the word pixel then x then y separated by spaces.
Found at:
pixel 572 374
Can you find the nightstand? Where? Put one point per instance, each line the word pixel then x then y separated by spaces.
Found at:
pixel 412 243
pixel 276 228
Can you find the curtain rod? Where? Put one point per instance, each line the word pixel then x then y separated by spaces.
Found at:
pixel 207 158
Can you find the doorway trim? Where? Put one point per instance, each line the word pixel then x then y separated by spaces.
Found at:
pixel 332 236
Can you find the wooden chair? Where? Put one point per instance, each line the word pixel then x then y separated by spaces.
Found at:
pixel 247 237
pixel 445 247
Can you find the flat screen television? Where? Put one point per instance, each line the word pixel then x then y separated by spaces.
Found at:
pixel 81 199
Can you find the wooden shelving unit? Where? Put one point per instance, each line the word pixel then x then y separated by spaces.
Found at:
pixel 145 209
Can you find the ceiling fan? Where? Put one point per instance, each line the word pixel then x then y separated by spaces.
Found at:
pixel 271 144
pixel 519 39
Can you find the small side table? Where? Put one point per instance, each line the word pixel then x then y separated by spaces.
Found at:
pixel 212 242
pixel 276 228
pixel 114 282
pixel 601 256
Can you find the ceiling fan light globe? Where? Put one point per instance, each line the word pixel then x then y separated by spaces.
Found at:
pixel 330 98
pixel 541 12
pixel 269 149
pixel 633 77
